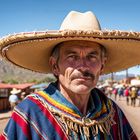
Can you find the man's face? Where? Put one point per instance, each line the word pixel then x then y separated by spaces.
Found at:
pixel 79 66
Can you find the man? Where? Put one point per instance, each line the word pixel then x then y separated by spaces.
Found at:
pixel 133 95
pixel 13 98
pixel 72 107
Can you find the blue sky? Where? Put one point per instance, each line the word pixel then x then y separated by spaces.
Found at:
pixel 35 15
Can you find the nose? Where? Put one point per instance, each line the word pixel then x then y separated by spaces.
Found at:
pixel 82 65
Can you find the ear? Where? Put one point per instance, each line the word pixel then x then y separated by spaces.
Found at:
pixel 54 66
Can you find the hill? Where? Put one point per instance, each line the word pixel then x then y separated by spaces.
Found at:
pixel 10 72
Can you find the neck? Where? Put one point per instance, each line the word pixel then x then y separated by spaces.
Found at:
pixel 79 100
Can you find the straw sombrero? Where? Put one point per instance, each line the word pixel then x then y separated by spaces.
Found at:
pixel 31 50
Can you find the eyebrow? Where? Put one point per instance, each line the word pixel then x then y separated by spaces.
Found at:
pixel 70 52
pixel 94 52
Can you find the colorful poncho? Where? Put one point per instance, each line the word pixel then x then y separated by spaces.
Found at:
pixel 47 115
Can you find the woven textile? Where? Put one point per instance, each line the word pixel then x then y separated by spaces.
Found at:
pixel 48 115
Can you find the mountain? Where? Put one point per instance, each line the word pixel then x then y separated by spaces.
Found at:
pixel 9 71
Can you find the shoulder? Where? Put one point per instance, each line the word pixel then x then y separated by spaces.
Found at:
pixel 106 99
pixel 101 94
pixel 30 105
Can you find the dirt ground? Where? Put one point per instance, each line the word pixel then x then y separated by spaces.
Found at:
pixel 132 114
pixel 3 123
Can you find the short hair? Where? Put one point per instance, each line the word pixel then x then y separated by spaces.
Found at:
pixel 103 51
pixel 56 51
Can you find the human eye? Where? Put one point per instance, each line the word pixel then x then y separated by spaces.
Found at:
pixel 72 57
pixel 92 56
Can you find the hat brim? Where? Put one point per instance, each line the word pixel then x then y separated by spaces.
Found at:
pixel 32 50
pixel 15 92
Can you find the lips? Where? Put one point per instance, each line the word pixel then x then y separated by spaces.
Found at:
pixel 81 77
pixel 84 78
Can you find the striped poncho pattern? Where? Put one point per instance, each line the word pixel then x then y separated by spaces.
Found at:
pixel 48 115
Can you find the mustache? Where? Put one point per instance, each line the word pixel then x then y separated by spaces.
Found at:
pixel 85 74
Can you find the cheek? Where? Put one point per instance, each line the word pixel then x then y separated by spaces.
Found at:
pixel 66 66
pixel 65 77
pixel 96 67
pixel 65 73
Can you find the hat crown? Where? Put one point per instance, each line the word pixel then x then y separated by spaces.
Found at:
pixel 80 21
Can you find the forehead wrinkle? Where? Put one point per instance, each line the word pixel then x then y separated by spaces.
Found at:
pixel 73 46
pixel 79 51
pixel 70 52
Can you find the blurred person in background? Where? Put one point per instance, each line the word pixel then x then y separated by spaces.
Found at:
pixel 13 98
pixel 133 96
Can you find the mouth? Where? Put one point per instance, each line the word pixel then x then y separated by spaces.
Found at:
pixel 85 76
pixel 83 79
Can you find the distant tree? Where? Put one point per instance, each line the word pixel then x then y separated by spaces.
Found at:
pixel 32 81
pixel 48 79
pixel 11 81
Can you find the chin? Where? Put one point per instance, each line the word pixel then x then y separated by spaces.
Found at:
pixel 82 89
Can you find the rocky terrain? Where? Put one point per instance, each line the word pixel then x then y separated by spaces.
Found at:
pixel 10 72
